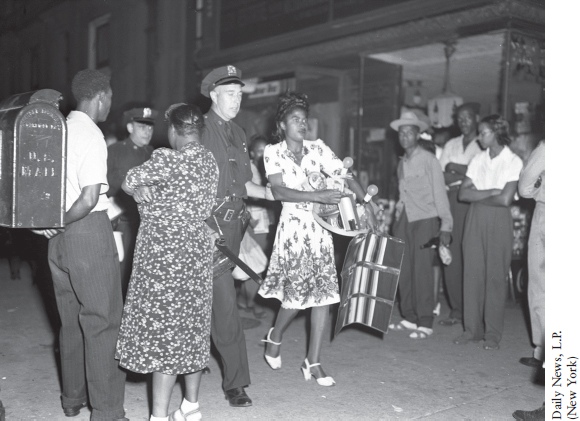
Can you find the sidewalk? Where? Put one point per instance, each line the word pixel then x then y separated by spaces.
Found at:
pixel 390 377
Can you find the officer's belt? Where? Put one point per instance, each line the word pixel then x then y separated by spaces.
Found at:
pixel 229 214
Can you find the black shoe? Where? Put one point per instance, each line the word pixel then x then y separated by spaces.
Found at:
pixel 530 362
pixel 73 411
pixel 238 397
pixel 536 414
pixel 449 321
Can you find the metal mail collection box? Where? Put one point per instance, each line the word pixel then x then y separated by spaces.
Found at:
pixel 33 137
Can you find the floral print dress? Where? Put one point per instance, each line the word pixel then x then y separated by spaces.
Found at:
pixel 166 319
pixel 302 272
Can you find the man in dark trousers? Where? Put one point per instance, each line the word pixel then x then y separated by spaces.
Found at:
pixel 122 156
pixel 457 154
pixel 85 265
pixel 227 141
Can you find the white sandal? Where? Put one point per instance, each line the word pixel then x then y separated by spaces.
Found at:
pixel 323 381
pixel 421 333
pixel 179 415
pixel 274 362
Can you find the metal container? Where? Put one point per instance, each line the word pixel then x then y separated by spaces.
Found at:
pixel 33 137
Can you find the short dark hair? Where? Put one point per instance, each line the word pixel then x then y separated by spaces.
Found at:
pixel 256 139
pixel 286 104
pixel 88 83
pixel 500 128
pixel 187 119
pixel 474 107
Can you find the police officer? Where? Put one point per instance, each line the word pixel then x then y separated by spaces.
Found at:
pixel 122 156
pixel 227 141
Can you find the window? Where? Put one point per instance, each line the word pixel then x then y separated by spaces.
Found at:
pixel 99 43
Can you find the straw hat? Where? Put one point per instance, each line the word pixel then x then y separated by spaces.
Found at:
pixel 409 118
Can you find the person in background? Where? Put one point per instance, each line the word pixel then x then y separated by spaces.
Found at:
pixel 259 227
pixel 227 142
pixel 489 186
pixel 84 262
pixel 532 184
pixel 302 272
pixel 122 156
pixel 166 321
pixel 457 154
pixel 422 213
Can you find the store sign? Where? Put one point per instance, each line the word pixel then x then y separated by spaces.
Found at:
pixel 266 89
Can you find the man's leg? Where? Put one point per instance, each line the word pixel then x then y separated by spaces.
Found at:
pixel 424 299
pixel 401 230
pixel 454 271
pixel 473 274
pixel 94 269
pixel 536 276
pixel 71 340
pixel 498 256
pixel 227 332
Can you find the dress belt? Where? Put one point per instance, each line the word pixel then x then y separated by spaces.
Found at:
pixel 229 199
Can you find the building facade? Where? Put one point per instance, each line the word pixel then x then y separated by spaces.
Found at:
pixel 359 61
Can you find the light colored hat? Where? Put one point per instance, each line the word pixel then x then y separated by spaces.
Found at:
pixel 409 118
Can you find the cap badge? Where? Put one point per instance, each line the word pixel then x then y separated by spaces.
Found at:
pixel 146 112
pixel 231 70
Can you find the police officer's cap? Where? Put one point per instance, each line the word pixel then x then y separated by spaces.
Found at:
pixel 141 115
pixel 221 76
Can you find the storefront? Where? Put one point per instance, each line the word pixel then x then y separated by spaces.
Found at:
pixel 360 62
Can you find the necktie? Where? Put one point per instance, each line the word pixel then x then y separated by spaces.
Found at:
pixel 229 133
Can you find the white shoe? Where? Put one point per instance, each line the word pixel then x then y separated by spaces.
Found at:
pixel 274 362
pixel 324 381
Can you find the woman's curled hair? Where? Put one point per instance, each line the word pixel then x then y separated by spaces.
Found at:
pixel 286 104
pixel 187 119
pixel 500 128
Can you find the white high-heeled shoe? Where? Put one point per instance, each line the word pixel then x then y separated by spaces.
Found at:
pixel 324 381
pixel 274 362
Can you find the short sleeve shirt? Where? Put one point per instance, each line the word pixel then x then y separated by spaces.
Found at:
pixel 231 155
pixel 453 151
pixel 487 173
pixel 86 163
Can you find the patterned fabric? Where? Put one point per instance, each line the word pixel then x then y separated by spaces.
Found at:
pixel 166 319
pixel 302 271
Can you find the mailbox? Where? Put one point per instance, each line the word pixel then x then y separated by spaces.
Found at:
pixel 32 160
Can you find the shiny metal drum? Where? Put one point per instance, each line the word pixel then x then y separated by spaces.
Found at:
pixel 370 276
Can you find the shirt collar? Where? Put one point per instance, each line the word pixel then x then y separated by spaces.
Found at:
pixel 415 152
pixel 215 117
pixel 503 153
pixel 79 115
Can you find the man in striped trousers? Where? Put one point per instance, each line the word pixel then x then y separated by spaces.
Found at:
pixel 85 265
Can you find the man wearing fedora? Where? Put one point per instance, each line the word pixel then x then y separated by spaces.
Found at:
pixel 227 141
pixel 457 154
pixel 122 156
pixel 422 213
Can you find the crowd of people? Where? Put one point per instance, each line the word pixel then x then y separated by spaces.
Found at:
pixel 149 302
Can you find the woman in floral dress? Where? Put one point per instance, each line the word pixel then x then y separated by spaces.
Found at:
pixel 165 328
pixel 302 272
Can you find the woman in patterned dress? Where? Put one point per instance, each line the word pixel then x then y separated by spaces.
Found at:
pixel 165 328
pixel 302 272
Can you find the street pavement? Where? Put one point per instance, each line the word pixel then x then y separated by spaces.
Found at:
pixel 378 376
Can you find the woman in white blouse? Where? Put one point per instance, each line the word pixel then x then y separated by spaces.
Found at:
pixel 490 185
